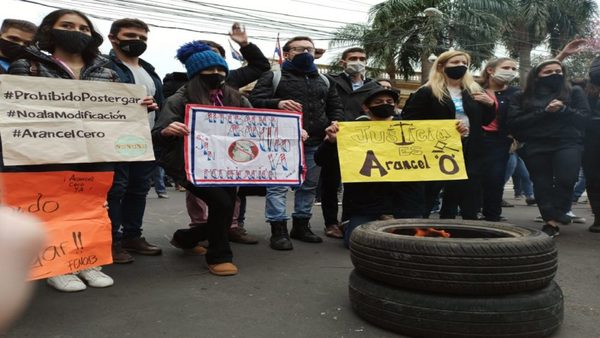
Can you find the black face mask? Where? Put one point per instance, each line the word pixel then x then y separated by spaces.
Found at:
pixel 11 50
pixel 213 81
pixel 132 48
pixel 456 72
pixel 553 82
pixel 71 41
pixel 383 110
pixel 304 62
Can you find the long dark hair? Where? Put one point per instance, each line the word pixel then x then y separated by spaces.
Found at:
pixel 532 88
pixel 45 40
pixel 198 92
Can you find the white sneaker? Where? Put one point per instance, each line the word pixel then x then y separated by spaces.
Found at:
pixel 575 218
pixel 538 219
pixel 95 278
pixel 66 283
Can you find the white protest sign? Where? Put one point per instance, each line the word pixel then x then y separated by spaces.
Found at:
pixel 243 146
pixel 50 121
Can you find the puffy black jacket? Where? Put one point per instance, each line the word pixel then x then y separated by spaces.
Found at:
pixel 532 124
pixel 352 99
pixel 171 147
pixel 422 105
pixel 237 78
pixel 320 104
pixel 41 64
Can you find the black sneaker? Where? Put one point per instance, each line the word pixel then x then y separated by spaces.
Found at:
pixel 550 230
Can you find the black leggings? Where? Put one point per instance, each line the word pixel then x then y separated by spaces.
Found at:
pixel 220 202
pixel 554 175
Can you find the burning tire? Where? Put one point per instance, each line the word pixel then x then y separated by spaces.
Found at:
pixel 479 258
pixel 532 314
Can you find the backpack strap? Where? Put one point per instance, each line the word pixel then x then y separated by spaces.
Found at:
pixel 325 79
pixel 276 80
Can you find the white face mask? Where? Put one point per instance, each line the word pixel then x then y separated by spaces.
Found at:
pixel 504 75
pixel 356 67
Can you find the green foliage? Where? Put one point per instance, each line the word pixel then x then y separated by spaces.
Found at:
pixel 400 35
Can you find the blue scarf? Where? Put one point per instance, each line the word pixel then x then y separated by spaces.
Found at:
pixel 302 63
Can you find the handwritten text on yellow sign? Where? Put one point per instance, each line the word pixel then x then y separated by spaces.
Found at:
pixel 399 151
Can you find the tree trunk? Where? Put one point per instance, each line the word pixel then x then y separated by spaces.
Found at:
pixel 524 62
pixel 390 70
pixel 425 67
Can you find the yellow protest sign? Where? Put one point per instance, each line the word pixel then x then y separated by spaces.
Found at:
pixel 400 151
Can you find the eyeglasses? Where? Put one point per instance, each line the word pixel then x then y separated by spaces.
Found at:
pixel 302 49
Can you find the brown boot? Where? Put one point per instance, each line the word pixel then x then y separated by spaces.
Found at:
pixel 140 246
pixel 239 235
pixel 120 256
pixel 334 231
pixel 223 269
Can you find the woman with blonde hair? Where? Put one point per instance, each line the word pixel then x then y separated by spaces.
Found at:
pixel 495 78
pixel 452 93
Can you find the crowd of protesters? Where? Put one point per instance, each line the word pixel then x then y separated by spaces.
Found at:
pixel 541 135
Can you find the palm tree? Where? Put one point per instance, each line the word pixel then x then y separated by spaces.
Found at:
pixel 542 21
pixel 403 33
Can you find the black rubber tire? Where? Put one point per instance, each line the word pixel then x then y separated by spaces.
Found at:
pixel 417 314
pixel 525 260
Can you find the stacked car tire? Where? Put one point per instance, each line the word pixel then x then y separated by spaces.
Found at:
pixel 495 280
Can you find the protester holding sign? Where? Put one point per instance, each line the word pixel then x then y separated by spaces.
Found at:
pixel 298 87
pixel 368 201
pixel 207 71
pixel 72 41
pixel 549 117
pixel 451 93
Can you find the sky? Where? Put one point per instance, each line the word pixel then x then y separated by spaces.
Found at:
pixel 262 27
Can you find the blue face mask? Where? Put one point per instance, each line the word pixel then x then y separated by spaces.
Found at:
pixel 304 62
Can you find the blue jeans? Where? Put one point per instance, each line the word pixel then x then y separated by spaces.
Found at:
pixel 158 176
pixel 304 196
pixel 517 169
pixel 127 198
pixel 579 186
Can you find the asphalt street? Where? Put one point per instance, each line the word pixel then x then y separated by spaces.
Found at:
pixel 299 293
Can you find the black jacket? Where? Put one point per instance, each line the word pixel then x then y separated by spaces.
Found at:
pixel 352 99
pixel 171 148
pixel 126 76
pixel 504 97
pixel 530 123
pixel 402 199
pixel 237 78
pixel 422 105
pixel 320 104
pixel 41 64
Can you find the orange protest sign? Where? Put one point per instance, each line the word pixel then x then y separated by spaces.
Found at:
pixel 71 205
